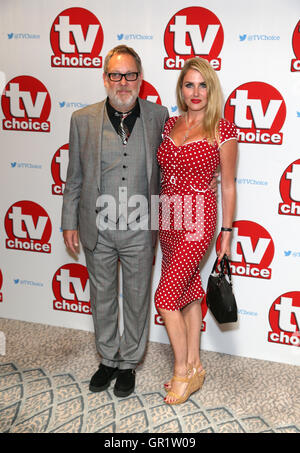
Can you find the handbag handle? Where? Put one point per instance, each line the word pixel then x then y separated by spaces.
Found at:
pixel 224 263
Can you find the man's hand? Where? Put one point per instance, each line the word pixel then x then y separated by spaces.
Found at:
pixel 71 240
pixel 213 186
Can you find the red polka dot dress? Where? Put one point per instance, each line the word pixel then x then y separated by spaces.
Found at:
pixel 187 215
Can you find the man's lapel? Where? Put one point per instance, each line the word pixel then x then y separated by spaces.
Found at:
pixel 147 122
pixel 96 122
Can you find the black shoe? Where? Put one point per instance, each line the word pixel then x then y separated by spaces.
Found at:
pixel 125 383
pixel 102 378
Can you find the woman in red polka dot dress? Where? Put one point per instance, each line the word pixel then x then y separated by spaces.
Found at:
pixel 194 145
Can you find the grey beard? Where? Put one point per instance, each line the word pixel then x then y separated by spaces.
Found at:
pixel 118 103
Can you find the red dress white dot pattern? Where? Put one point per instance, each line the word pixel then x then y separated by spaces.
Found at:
pixel 186 226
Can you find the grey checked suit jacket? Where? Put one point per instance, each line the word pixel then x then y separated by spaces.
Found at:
pixel 83 176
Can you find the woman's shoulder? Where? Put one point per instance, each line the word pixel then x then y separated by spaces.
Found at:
pixel 227 129
pixel 172 120
pixel 170 124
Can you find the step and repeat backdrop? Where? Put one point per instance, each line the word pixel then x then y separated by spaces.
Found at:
pixel 52 56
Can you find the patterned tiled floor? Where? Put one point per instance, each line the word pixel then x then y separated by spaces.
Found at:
pixel 34 401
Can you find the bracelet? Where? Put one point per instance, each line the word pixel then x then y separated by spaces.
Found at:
pixel 226 229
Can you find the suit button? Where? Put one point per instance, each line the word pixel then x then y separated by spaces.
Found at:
pixel 125 154
pixel 123 179
pixel 124 166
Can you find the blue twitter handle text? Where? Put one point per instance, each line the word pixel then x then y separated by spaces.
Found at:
pixel 256 37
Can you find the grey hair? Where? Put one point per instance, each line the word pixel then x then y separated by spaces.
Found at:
pixel 122 49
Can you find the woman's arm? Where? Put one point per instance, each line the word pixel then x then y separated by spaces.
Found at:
pixel 228 158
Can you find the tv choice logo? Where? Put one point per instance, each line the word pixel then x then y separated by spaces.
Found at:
pixel 28 227
pixel 26 105
pixel 148 92
pixel 259 111
pixel 59 166
pixel 284 319
pixel 76 38
pixel 295 63
pixel 252 250
pixel 193 32
pixel 290 190
pixel 71 289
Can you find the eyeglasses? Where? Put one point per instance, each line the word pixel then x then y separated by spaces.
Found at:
pixel 117 77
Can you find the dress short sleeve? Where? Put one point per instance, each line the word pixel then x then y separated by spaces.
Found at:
pixel 228 131
pixel 169 126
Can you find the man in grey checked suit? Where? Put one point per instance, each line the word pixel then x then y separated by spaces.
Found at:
pixel 105 162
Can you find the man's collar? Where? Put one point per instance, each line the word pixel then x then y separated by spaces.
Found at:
pixel 136 111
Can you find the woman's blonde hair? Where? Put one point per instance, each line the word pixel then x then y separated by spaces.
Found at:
pixel 213 113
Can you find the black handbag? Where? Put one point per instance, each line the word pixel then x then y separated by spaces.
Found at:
pixel 219 295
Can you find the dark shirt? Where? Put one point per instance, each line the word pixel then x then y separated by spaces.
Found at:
pixel 129 120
